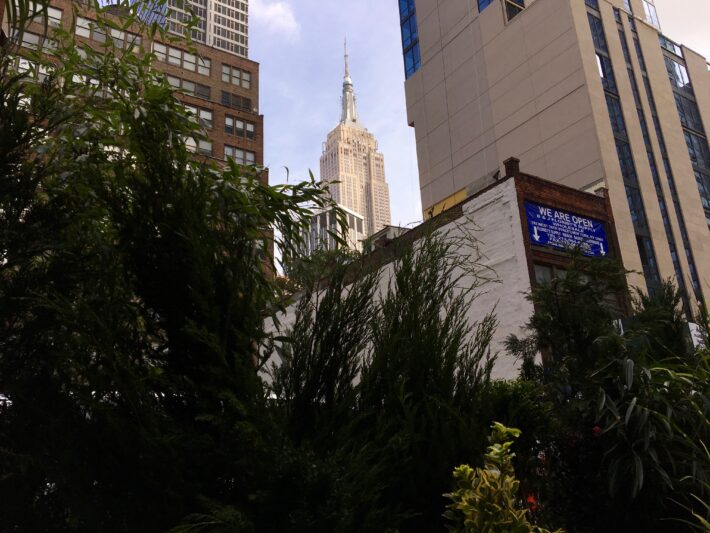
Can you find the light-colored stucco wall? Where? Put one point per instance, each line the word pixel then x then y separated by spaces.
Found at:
pixel 493 220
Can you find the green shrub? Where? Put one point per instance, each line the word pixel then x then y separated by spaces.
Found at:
pixel 487 499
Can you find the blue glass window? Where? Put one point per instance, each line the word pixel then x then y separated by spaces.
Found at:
pixel 412 60
pixel 483 4
pixel 410 37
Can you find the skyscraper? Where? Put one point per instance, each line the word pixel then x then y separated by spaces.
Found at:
pixel 589 94
pixel 219 23
pixel 352 163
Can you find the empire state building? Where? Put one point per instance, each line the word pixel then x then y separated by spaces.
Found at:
pixel 352 163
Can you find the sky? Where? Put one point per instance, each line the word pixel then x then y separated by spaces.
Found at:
pixel 299 44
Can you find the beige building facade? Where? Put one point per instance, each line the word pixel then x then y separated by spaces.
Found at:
pixel 589 94
pixel 353 165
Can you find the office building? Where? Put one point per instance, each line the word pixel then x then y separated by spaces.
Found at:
pixel 589 94
pixel 219 88
pixel 222 24
pixel 353 165
pixel 325 229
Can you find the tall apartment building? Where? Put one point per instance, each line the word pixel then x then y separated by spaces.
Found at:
pixel 222 24
pixel 220 88
pixel 589 94
pixel 354 166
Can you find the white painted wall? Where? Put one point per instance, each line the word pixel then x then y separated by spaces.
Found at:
pixel 493 219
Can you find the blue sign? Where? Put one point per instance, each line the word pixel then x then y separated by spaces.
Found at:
pixel 559 229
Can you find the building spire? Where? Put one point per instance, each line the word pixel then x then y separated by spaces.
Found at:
pixel 347 63
pixel 349 114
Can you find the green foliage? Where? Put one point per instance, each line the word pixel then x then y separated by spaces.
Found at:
pixel 382 413
pixel 628 409
pixel 487 499
pixel 133 289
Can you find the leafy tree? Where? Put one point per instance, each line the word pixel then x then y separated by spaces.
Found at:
pixel 629 407
pixel 133 288
pixel 380 387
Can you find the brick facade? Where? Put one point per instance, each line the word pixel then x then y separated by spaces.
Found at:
pixel 217 134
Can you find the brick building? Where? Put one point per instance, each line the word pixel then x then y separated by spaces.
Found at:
pixel 499 216
pixel 220 88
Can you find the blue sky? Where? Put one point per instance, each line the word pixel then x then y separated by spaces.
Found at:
pixel 299 44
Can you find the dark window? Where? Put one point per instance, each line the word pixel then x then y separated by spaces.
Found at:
pixel 592 3
pixel 606 73
pixel 595 24
pixel 235 101
pixel 703 180
pixel 616 117
pixel 513 7
pixel 635 89
pixel 625 47
pixel 698 149
pixel 202 91
pixel 626 162
pixel 639 54
pixel 688 111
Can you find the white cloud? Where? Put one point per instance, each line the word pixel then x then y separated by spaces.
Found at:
pixel 276 16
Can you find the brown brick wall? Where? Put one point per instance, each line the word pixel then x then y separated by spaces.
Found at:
pixel 217 133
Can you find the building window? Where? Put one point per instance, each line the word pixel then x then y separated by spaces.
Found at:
pixel 34 41
pixel 182 59
pixel 483 4
pixel 669 45
pixel 36 10
pixel 677 73
pixel 627 6
pixel 410 37
pixel 236 102
pixel 651 15
pixel 698 149
pixel 241 157
pixel 236 76
pixel 689 113
pixel 513 7
pixel 121 39
pixel 204 147
pixel 625 157
pixel 189 87
pixel 200 115
pixel 238 127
